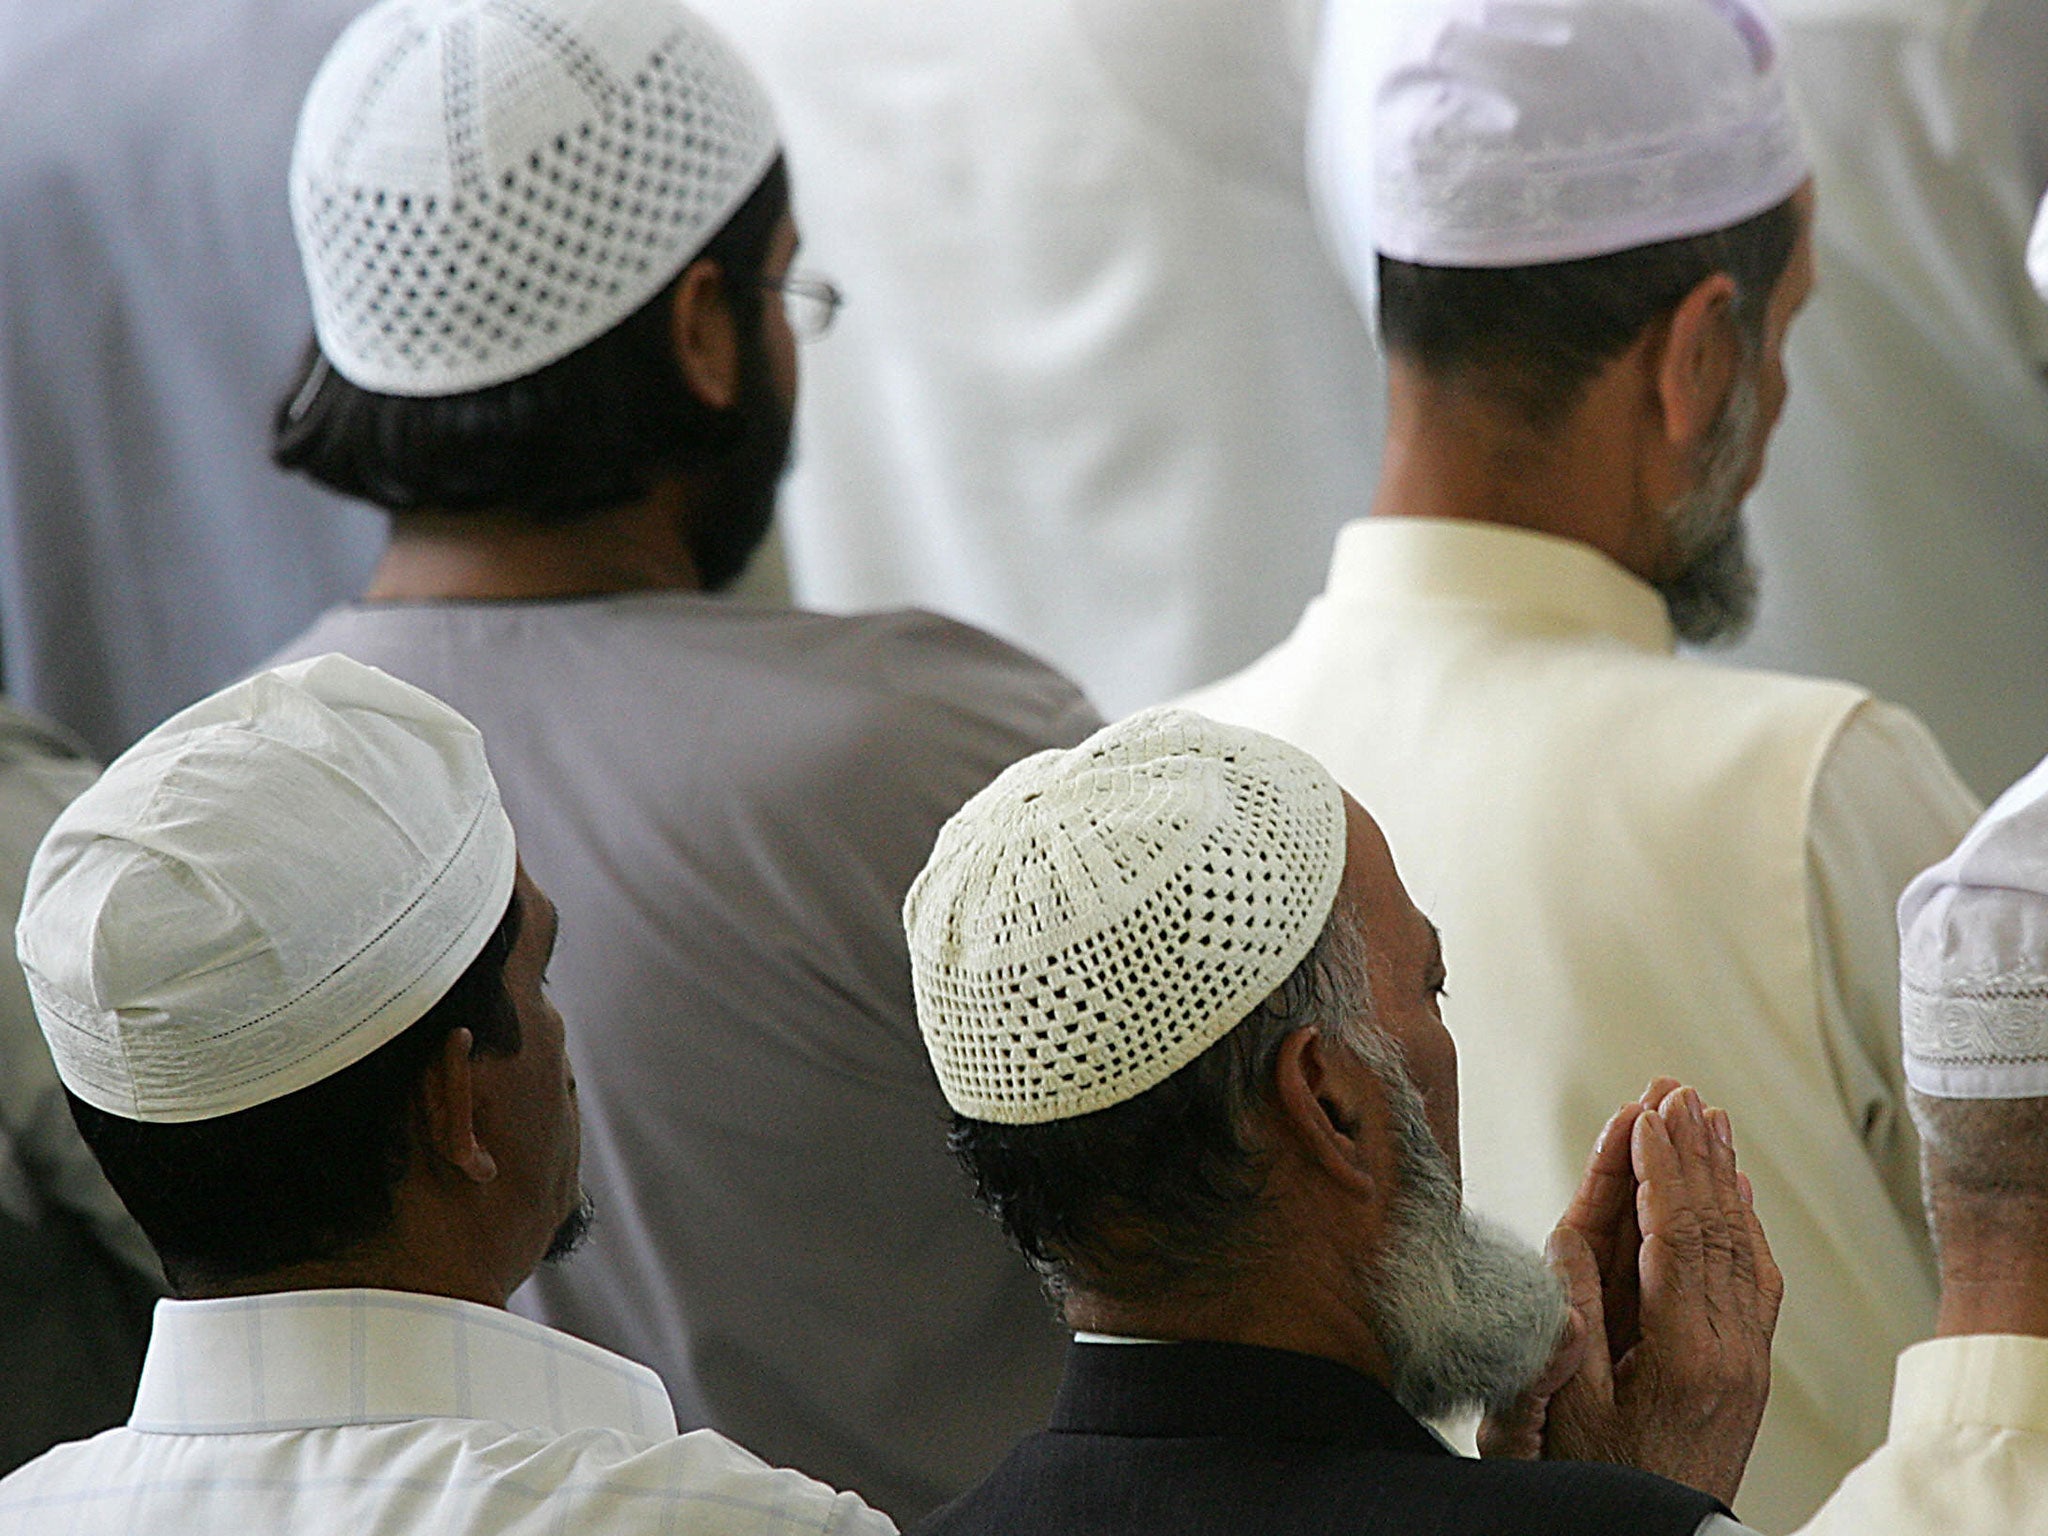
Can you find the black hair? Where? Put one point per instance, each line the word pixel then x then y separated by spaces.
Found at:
pixel 1163 1192
pixel 306 1177
pixel 594 430
pixel 1534 337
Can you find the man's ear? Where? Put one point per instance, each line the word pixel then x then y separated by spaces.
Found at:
pixel 1696 358
pixel 448 1110
pixel 706 342
pixel 1330 1104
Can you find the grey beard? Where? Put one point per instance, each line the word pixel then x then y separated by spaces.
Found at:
pixel 1712 595
pixel 1466 1315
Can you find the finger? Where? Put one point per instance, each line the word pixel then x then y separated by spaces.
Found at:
pixel 1580 1419
pixel 1515 1430
pixel 1735 1220
pixel 1770 1280
pixel 1619 1296
pixel 1686 1120
pixel 1671 1304
pixel 1606 1194
pixel 1583 1349
pixel 1660 1089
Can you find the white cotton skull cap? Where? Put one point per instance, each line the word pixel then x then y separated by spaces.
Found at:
pixel 2037 251
pixel 1509 133
pixel 1973 957
pixel 480 187
pixel 263 890
pixel 1096 918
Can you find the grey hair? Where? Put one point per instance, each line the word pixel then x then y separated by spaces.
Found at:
pixel 1330 991
pixel 1984 1148
pixel 1712 595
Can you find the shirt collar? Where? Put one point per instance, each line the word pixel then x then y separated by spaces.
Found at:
pixel 1559 584
pixel 1992 1379
pixel 312 1359
pixel 1244 1391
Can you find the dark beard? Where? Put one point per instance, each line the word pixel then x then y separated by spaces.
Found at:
pixel 735 497
pixel 570 1234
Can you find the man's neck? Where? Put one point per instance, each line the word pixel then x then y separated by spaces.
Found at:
pixel 436 556
pixel 1277 1310
pixel 1994 1282
pixel 347 1276
pixel 433 1246
pixel 1454 453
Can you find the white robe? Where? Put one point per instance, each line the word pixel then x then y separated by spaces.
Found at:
pixel 1902 521
pixel 1968 1451
pixel 1096 387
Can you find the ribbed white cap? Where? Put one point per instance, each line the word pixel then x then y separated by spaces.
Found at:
pixel 262 891
pixel 1973 957
pixel 1096 918
pixel 479 187
pixel 1506 133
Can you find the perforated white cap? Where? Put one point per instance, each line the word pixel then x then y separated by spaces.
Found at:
pixel 1973 957
pixel 262 891
pixel 479 187
pixel 1478 133
pixel 1096 918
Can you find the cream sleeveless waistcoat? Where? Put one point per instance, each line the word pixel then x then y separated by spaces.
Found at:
pixel 1613 841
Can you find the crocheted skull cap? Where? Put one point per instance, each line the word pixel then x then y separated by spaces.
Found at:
pixel 1096 918
pixel 479 187
pixel 262 891
pixel 1973 957
pixel 1507 133
pixel 2037 251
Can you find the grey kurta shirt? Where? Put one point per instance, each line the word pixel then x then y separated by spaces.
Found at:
pixel 727 806
pixel 155 309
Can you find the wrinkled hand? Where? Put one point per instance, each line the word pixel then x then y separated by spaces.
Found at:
pixel 1602 1221
pixel 1665 1364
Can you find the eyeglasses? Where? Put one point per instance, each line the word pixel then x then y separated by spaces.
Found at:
pixel 809 303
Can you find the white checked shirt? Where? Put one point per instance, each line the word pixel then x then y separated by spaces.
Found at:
pixel 359 1412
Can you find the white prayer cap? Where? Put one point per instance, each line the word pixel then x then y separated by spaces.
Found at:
pixel 262 891
pixel 1973 957
pixel 2037 251
pixel 1096 918
pixel 1506 133
pixel 479 187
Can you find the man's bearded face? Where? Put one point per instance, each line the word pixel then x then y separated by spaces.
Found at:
pixel 1467 1316
pixel 740 490
pixel 1711 593
pixel 570 1234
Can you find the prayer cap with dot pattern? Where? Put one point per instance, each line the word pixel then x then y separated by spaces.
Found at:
pixel 263 890
pixel 1096 918
pixel 1973 957
pixel 480 187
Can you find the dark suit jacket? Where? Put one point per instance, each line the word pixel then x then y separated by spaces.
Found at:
pixel 1233 1440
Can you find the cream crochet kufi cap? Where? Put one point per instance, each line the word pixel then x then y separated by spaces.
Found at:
pixel 1096 918
pixel 1508 133
pixel 262 891
pixel 1973 957
pixel 479 187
